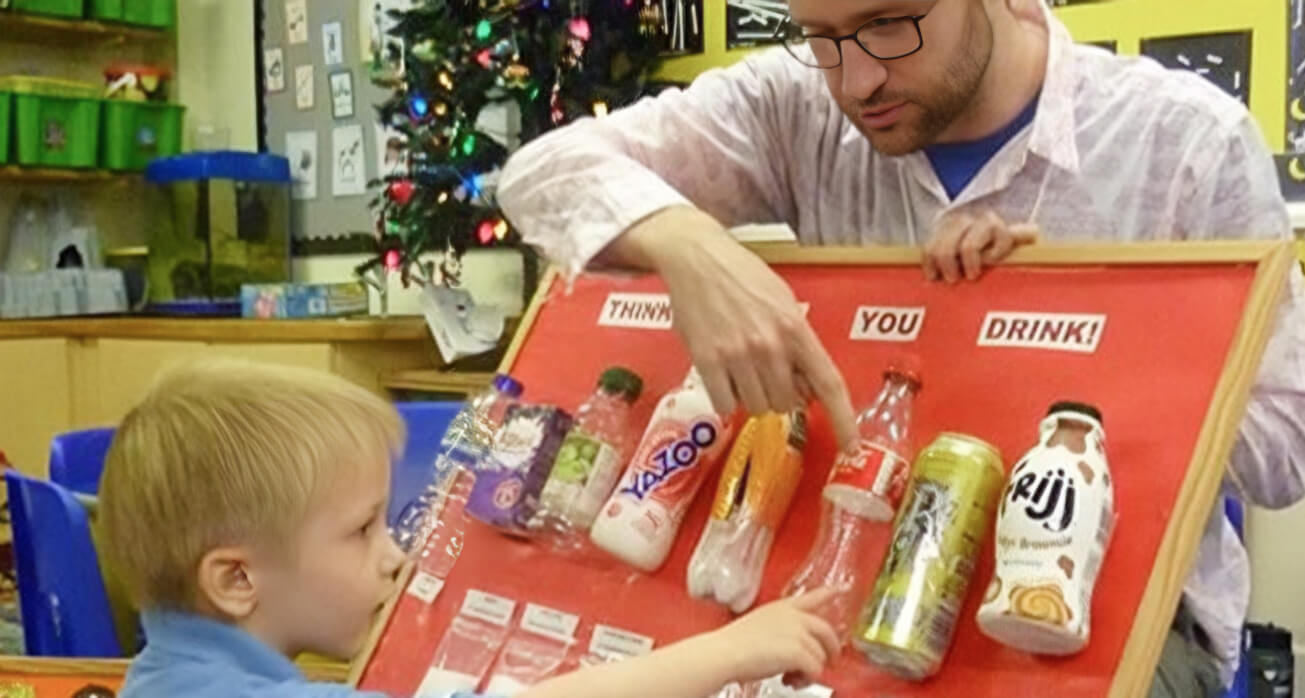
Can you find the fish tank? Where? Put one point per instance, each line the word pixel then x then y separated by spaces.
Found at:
pixel 228 224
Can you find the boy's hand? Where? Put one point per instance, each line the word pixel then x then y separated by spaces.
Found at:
pixel 781 637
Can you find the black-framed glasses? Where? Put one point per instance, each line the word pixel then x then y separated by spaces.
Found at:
pixel 884 38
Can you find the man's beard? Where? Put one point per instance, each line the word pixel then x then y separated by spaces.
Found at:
pixel 936 107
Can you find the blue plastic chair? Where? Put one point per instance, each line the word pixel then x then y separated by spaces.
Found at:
pixel 65 609
pixel 1241 686
pixel 426 423
pixel 77 459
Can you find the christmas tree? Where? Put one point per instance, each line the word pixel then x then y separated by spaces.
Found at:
pixel 549 62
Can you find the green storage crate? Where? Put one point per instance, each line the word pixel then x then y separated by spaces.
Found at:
pixel 6 108
pixel 109 10
pixel 61 8
pixel 151 13
pixel 56 122
pixel 137 132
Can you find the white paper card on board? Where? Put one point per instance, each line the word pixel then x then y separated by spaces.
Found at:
pixel 443 683
pixel 274 70
pixel 774 687
pixel 879 323
pixel 332 43
pixel 304 87
pixel 1073 332
pixel 549 622
pixel 490 608
pixel 425 586
pixel 644 311
pixel 301 151
pixel 348 164
pixel 608 641
pixel 506 686
pixel 296 21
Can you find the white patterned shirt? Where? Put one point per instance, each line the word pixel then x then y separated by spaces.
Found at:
pixel 1120 150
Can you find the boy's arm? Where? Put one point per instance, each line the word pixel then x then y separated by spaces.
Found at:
pixel 782 637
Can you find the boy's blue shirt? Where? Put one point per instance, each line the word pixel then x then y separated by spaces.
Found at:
pixel 197 657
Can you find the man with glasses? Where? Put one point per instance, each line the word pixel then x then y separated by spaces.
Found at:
pixel 966 127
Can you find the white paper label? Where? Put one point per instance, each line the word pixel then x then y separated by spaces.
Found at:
pixel 500 685
pixel 774 687
pixel 614 641
pixel 425 586
pixel 549 622
pixel 644 311
pixel 488 607
pixel 1074 332
pixel 442 683
pixel 876 323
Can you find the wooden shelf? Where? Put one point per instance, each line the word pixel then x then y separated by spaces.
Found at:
pixel 315 668
pixel 436 381
pixel 39 29
pixel 362 329
pixel 57 176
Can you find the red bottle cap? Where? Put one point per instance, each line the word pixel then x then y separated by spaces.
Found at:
pixel 907 366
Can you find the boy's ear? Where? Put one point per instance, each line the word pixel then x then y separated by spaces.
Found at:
pixel 225 582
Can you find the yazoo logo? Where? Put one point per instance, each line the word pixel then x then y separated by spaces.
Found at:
pixel 681 455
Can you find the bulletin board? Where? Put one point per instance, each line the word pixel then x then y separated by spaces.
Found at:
pixel 303 76
pixel 1174 337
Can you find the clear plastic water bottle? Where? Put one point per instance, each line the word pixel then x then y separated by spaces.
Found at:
pixel 756 487
pixel 591 458
pixel 467 441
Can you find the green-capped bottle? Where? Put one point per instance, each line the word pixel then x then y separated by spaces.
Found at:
pixel 593 454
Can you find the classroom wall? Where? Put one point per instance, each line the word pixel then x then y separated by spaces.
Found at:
pixel 214 59
pixel 1130 21
pixel 215 66
pixel 116 207
pixel 1124 21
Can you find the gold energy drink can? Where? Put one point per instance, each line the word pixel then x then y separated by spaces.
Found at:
pixel 908 623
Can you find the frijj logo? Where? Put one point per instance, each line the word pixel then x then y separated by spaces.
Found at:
pixel 1050 496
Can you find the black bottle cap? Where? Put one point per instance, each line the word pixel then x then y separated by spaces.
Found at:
pixel 1079 407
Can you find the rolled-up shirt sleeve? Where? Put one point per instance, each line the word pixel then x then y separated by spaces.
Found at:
pixel 1236 194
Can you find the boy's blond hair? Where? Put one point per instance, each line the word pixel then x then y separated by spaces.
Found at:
pixel 228 453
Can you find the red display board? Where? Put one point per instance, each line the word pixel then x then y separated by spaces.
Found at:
pixel 1167 349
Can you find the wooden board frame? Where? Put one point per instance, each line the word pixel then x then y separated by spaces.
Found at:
pixel 91 669
pixel 1273 260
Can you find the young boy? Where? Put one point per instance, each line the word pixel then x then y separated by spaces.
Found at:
pixel 245 505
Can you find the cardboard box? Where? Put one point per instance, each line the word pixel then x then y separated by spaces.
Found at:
pixel 268 301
